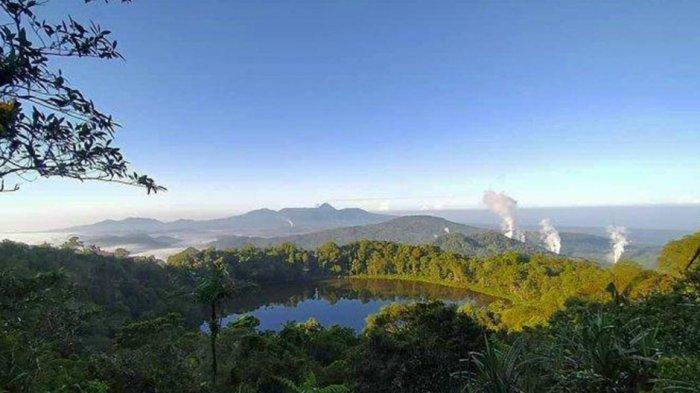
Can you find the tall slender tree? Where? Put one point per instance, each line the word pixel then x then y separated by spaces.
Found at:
pixel 214 287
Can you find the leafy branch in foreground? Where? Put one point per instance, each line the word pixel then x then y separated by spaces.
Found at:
pixel 47 127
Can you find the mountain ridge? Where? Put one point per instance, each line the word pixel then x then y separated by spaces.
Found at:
pixel 415 230
pixel 259 222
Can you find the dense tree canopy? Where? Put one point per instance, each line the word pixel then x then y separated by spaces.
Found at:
pixel 680 255
pixel 76 320
pixel 530 288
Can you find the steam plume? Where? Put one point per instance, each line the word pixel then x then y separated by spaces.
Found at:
pixel 550 236
pixel 384 206
pixel 505 207
pixel 618 241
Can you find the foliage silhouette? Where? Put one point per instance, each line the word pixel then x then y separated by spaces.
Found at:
pixel 47 127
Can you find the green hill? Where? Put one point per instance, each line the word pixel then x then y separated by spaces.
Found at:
pixel 408 229
pixel 484 244
pixel 450 236
pixel 597 248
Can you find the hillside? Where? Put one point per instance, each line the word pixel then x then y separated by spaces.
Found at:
pixel 408 230
pixel 450 236
pixel 56 298
pixel 130 225
pixel 597 248
pixel 261 222
pixel 309 228
pixel 484 244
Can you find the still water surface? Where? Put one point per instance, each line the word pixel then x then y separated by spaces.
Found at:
pixel 345 302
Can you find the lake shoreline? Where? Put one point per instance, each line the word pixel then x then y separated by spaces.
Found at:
pixel 469 287
pixel 345 301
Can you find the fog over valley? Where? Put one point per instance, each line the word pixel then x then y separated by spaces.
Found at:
pixel 581 231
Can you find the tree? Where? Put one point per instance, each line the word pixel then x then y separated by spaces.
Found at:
pixel 413 348
pixel 677 256
pixel 47 127
pixel 42 334
pixel 158 354
pixel 120 252
pixel 73 244
pixel 213 288
pixel 692 259
pixel 329 255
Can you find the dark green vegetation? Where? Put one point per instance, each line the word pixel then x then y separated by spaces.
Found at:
pixel 484 244
pixel 310 228
pixel 409 229
pixel 77 321
pixel 415 230
pixel 449 236
pixel 531 287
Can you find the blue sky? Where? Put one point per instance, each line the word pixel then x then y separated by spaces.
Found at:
pixel 235 105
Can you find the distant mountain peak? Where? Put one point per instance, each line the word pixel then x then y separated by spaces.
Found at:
pixel 141 219
pixel 129 220
pixel 260 222
pixel 109 220
pixel 263 211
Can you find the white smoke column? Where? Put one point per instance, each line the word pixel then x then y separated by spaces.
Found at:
pixel 447 230
pixel 505 207
pixel 384 206
pixel 550 236
pixel 291 224
pixel 618 240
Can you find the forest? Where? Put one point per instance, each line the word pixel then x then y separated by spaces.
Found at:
pixel 327 102
pixel 77 320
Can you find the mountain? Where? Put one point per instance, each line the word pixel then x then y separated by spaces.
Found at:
pixel 484 244
pixel 131 224
pixel 656 218
pixel 597 248
pixel 581 245
pixel 449 236
pixel 262 222
pixel 409 230
pixel 311 227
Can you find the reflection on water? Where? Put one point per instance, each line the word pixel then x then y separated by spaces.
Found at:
pixel 345 302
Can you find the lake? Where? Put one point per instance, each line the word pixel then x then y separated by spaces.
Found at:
pixel 345 302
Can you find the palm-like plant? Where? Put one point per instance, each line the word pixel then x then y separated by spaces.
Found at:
pixel 214 287
pixel 498 370
pixel 309 386
pixel 605 353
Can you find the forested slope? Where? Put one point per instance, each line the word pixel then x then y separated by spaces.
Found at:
pixel 74 320
pixel 414 230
